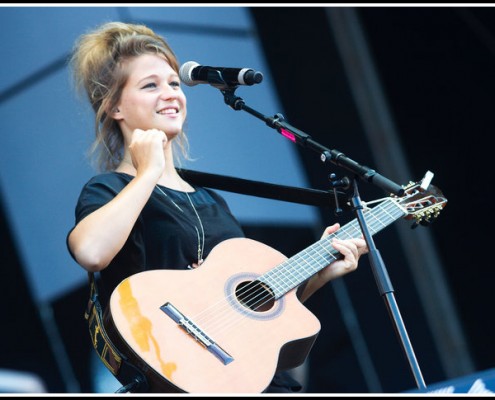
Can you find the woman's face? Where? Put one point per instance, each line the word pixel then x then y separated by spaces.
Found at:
pixel 152 97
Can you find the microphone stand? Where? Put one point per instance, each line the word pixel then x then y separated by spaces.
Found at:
pixel 338 158
pixel 326 155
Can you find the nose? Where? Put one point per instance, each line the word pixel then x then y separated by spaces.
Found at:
pixel 169 92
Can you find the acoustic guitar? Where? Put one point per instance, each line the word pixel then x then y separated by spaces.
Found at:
pixel 231 324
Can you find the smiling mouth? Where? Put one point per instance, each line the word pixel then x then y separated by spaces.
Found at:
pixel 168 111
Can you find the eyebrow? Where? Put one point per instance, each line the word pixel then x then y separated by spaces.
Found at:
pixel 155 76
pixel 152 76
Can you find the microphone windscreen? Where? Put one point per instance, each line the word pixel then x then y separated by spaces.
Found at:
pixel 185 73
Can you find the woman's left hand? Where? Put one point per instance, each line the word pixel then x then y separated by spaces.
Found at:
pixel 351 249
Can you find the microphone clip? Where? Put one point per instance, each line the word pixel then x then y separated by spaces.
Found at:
pixel 230 98
pixel 215 79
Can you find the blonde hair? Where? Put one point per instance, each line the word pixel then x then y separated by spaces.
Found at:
pixel 97 62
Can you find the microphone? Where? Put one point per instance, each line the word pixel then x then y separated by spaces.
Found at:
pixel 191 73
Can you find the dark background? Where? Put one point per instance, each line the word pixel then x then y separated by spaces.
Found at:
pixel 435 66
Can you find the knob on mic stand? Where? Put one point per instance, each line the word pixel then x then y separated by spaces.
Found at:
pixel 344 183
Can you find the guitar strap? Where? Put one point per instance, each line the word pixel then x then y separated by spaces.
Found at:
pixel 115 361
pixel 292 194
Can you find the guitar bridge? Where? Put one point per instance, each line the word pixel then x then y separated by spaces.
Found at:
pixel 192 329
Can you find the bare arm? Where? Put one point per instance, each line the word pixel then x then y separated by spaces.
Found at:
pixel 97 238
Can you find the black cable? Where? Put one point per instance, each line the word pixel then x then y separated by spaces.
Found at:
pixel 127 388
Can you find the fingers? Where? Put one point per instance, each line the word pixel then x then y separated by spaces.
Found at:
pixel 348 249
pixel 360 243
pixel 361 246
pixel 351 250
pixel 148 136
pixel 147 150
pixel 330 229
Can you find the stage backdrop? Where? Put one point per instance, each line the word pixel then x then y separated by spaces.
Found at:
pixel 46 129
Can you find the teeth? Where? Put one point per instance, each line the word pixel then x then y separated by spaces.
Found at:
pixel 168 111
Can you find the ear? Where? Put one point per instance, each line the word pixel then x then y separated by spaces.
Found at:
pixel 116 114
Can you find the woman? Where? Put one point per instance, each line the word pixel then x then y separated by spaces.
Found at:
pixel 139 213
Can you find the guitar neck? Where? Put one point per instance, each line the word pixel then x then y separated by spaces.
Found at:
pixel 295 270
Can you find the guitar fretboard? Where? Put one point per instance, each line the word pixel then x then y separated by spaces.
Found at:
pixel 295 270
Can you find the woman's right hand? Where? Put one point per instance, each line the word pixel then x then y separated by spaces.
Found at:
pixel 147 151
pixel 99 236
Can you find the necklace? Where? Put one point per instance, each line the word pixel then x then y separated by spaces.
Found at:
pixel 201 245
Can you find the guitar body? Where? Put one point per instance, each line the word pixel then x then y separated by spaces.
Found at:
pixel 231 324
pixel 233 347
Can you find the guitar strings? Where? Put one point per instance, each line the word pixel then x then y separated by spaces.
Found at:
pixel 342 232
pixel 225 323
pixel 353 226
pixel 287 278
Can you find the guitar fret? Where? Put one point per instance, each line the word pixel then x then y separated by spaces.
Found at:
pixel 295 270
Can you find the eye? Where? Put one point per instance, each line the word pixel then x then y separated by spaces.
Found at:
pixel 175 84
pixel 149 85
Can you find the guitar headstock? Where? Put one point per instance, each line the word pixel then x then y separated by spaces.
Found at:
pixel 422 201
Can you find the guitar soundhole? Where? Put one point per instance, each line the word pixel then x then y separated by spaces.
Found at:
pixel 255 295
